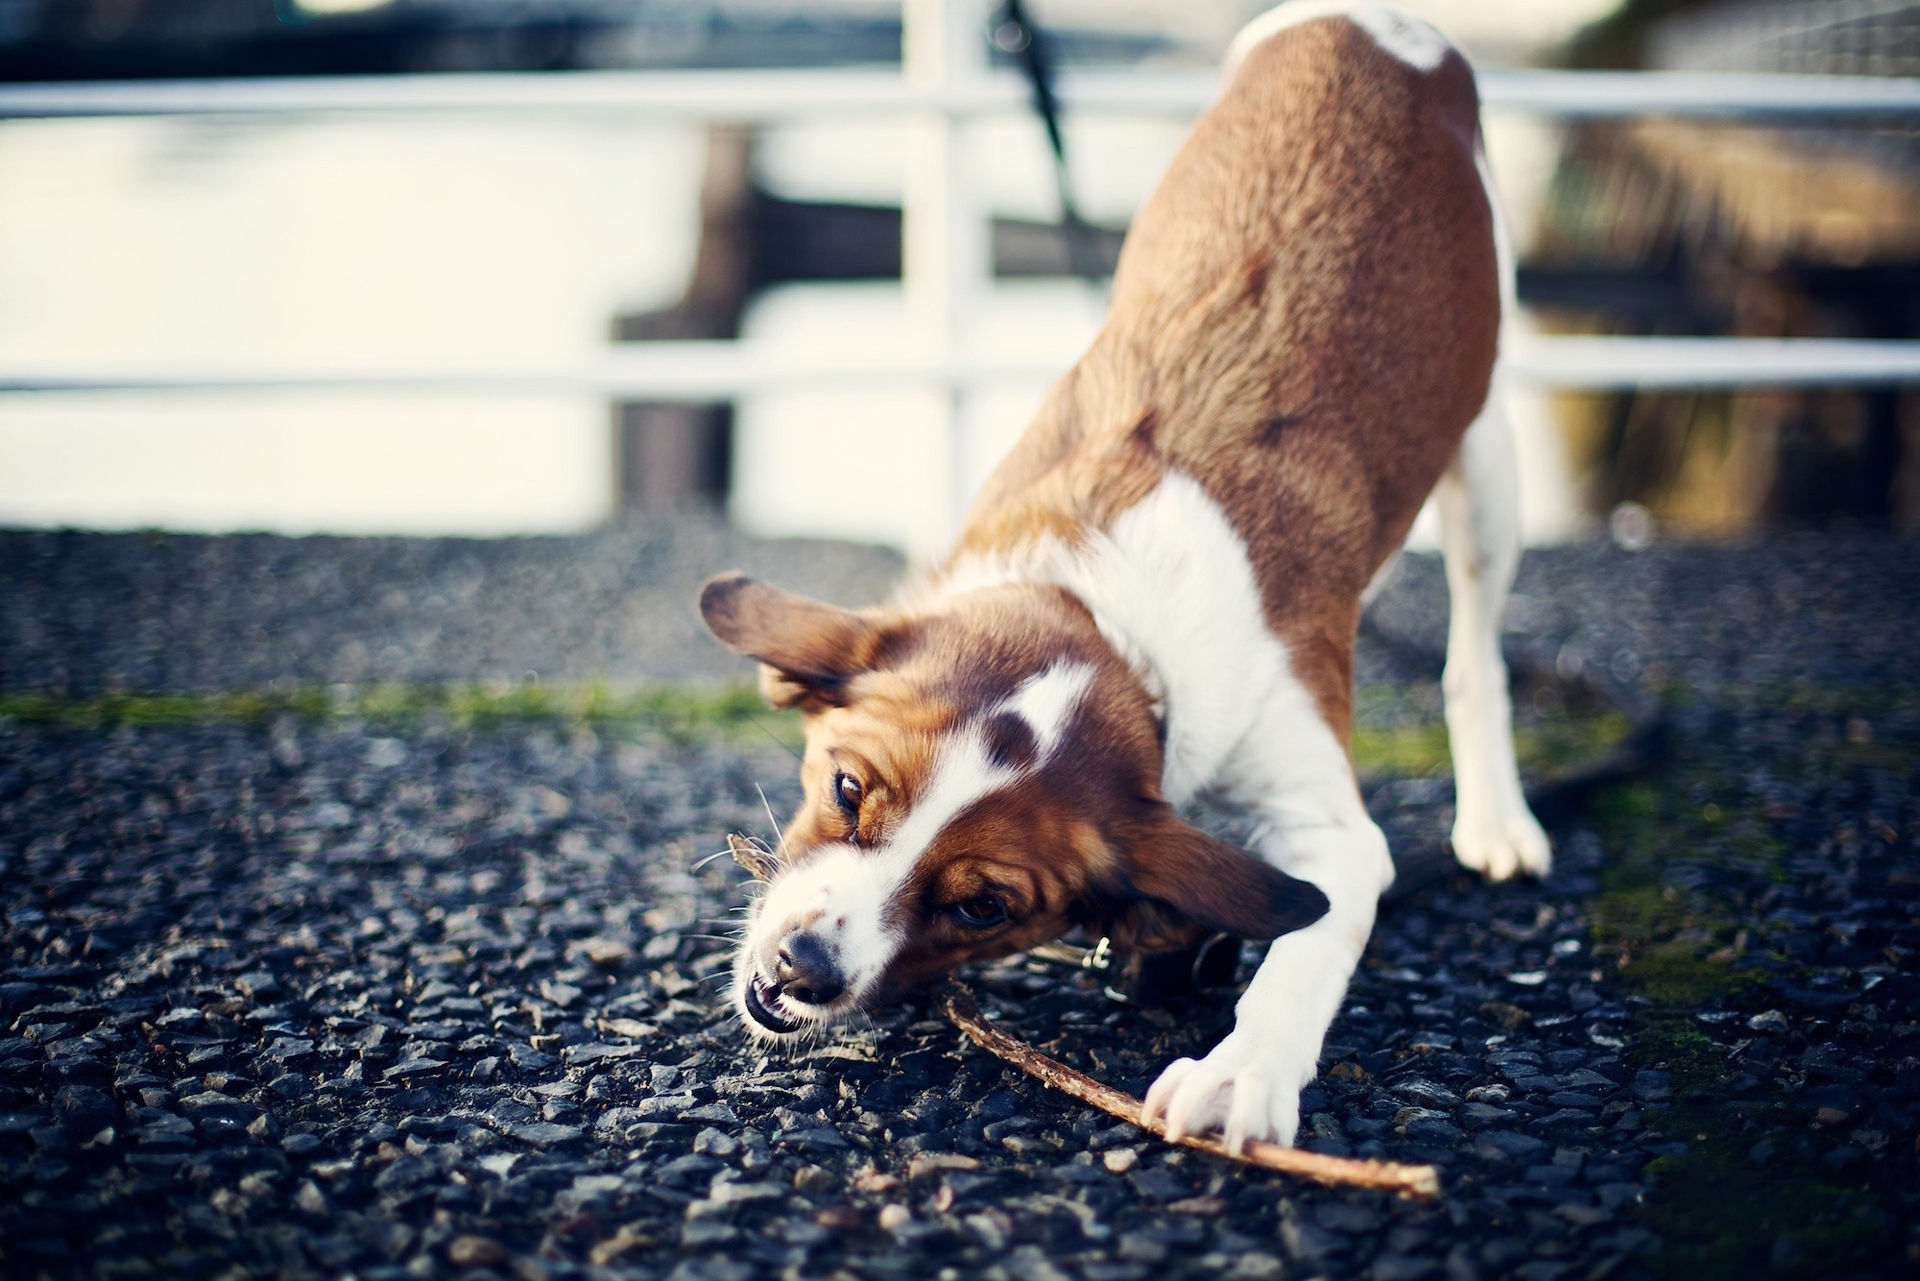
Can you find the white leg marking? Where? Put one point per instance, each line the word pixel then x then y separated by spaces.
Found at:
pixel 1493 830
pixel 1249 1085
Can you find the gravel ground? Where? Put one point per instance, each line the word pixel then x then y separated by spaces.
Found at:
pixel 320 996
pixel 86 612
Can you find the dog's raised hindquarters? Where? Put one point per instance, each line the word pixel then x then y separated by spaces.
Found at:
pixel 1158 589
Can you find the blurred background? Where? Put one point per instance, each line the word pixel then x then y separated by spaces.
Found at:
pixel 507 267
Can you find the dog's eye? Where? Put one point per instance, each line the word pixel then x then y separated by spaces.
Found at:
pixel 847 793
pixel 981 912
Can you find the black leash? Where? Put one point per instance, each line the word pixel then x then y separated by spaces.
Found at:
pixel 1015 34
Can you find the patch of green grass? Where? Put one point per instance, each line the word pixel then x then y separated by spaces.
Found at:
pixel 125 708
pixel 1798 697
pixel 686 713
pixel 1719 1214
pixel 1409 750
pixel 1670 945
pixel 1553 746
pixel 1892 757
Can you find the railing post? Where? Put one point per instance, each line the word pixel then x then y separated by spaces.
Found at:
pixel 945 260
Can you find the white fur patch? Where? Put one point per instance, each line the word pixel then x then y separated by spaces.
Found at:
pixel 1172 590
pixel 1046 702
pixel 1503 255
pixel 1412 40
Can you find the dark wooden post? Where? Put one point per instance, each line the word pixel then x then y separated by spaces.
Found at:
pixel 675 456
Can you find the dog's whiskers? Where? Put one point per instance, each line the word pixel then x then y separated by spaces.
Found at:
pixel 778 851
pixel 700 863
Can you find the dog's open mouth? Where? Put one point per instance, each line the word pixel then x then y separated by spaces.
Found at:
pixel 762 1002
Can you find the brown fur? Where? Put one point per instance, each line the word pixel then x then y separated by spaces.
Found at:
pixel 1304 320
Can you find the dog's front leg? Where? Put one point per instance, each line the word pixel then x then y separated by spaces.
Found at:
pixel 1249 1086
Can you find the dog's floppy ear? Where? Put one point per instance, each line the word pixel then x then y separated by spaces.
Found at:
pixel 1179 877
pixel 808 648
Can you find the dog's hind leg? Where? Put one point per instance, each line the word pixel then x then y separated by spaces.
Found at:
pixel 1478 500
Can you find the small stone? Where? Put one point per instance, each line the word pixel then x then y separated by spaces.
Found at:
pixel 1511 1017
pixel 1156 1185
pixel 1120 1160
pixel 1772 1022
pixel 820 1139
pixel 1307 1242
pixel 1509 1145
pixel 930 1164
pixel 1476 1115
pixel 545 1134
pixel 561 994
pixel 605 951
pixel 629 1238
pixel 1398 1267
pixel 895 1216
pixel 310 1200
pixel 1570 1099
pixel 291 1085
pixel 728 1193
pixel 712 1142
pixel 1198 1206
pixel 475 1252
pixel 875 1181
pixel 1615 1195
pixel 632 1028
pixel 259 985
pixel 839 1218
pixel 1650 1086
pixel 813 1179
pixel 1427 1094
pixel 1342 1216
pixel 1585 1216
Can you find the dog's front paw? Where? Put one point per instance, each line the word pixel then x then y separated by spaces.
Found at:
pixel 1243 1089
pixel 1499 845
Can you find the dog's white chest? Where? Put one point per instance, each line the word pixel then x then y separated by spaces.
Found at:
pixel 1173 590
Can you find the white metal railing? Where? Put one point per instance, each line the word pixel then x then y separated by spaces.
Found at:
pixel 786 94
pixel 719 369
pixel 946 264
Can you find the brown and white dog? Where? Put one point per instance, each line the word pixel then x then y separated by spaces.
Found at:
pixel 1157 591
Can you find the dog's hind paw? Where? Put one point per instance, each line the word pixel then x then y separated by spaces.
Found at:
pixel 1237 1090
pixel 1501 847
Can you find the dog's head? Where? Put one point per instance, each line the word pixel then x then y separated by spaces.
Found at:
pixel 978 780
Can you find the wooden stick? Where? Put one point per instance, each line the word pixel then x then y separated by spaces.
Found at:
pixel 1418 1182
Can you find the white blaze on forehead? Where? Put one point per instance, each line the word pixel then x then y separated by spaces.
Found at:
pixel 1413 41
pixel 1046 702
pixel 848 892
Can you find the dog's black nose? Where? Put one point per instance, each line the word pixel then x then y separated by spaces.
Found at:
pixel 806 971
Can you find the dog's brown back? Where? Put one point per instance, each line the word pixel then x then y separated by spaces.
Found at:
pixel 1304 319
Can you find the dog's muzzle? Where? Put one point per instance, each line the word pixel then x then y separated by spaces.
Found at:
pixel 805 982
